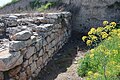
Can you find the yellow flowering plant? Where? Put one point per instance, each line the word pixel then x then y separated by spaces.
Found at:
pixel 97 35
pixel 103 61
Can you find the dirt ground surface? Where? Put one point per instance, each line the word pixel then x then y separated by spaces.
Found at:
pixel 64 64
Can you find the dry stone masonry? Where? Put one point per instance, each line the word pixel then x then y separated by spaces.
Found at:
pixel 28 41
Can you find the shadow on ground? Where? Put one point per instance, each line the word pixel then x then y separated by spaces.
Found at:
pixel 63 59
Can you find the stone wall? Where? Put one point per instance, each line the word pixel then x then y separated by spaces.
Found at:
pixel 31 40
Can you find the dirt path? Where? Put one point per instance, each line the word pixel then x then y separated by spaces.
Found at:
pixel 63 65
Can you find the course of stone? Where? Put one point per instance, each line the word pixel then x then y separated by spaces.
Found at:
pixel 29 40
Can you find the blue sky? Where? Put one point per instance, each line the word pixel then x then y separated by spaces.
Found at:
pixel 3 2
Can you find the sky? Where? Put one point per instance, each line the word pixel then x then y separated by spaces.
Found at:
pixel 3 2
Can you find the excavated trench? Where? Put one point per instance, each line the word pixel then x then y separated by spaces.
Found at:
pixel 64 64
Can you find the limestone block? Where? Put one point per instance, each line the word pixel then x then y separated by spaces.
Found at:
pixel 52 36
pixel 46 48
pixel 45 42
pixel 39 62
pixel 11 23
pixel 16 45
pixel 28 42
pixel 13 72
pixel 54 42
pixel 9 60
pixel 38 44
pixel 22 36
pixel 58 26
pixel 44 27
pixel 41 52
pixel 44 58
pixel 13 17
pixel 30 52
pixel 28 71
pixel 30 60
pixel 51 20
pixel 37 71
pixel 25 64
pixel 33 39
pixel 66 14
pixel 33 67
pixel 23 76
pixel 48 39
pixel 23 52
pixel 53 15
pixel 50 53
pixel 50 45
pixel 35 58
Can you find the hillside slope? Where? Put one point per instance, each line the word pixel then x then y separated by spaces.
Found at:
pixel 86 13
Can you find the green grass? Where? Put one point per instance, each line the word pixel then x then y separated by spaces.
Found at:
pixel 45 6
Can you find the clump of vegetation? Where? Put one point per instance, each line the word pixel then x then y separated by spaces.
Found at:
pixel 41 6
pixel 45 6
pixel 35 4
pixel 96 36
pixel 102 62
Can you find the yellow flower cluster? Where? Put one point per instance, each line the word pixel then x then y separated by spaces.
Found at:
pixel 105 23
pixel 84 38
pixel 96 75
pixel 92 50
pixel 91 55
pixel 93 37
pixel 108 28
pixel 115 32
pixel 99 29
pixel 89 42
pixel 115 51
pixel 92 31
pixel 90 73
pixel 113 24
pixel 104 35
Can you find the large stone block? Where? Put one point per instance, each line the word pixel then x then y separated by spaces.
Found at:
pixel 39 44
pixel 25 64
pixel 41 52
pixel 33 67
pixel 16 45
pixel 23 76
pixel 28 71
pixel 30 60
pixel 13 72
pixel 22 36
pixel 30 52
pixel 39 62
pixel 9 60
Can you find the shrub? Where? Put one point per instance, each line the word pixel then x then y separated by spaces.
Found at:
pixel 45 6
pixel 103 62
